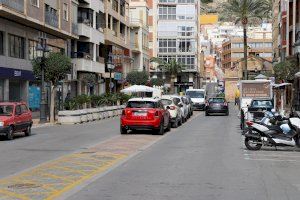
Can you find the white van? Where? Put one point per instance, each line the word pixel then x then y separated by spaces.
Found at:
pixel 198 98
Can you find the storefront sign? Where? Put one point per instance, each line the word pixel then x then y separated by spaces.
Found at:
pixel 16 73
pixel 184 84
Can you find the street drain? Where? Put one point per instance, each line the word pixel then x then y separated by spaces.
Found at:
pixel 24 186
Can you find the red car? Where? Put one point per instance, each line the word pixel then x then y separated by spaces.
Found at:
pixel 14 117
pixel 145 114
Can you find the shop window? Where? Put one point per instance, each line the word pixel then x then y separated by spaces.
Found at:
pixel 16 46
pixel 1 43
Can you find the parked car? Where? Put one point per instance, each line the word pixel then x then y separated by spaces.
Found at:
pixel 216 105
pixel 171 103
pixel 198 98
pixel 145 114
pixel 14 117
pixel 189 104
pixel 184 108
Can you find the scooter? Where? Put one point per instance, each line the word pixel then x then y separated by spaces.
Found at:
pixel 272 130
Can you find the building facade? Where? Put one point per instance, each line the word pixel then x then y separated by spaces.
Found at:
pixel 22 25
pixel 174 35
pixel 139 33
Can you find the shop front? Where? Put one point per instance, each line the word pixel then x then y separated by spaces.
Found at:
pixel 14 84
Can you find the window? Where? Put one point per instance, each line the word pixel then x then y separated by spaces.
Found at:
pixel 18 110
pixel 167 45
pixel 115 5
pixel 185 1
pixel 167 1
pixel 185 31
pixel 32 53
pixel 34 3
pixel 1 43
pixel 65 12
pixel 167 12
pixel 16 46
pixel 186 45
pixel 24 109
pixel 187 60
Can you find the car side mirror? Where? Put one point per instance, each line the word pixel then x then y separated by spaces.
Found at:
pixel 180 105
pixel 168 107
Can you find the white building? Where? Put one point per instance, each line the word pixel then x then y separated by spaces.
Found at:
pixel 175 36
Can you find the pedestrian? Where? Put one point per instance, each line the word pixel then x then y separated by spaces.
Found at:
pixel 237 97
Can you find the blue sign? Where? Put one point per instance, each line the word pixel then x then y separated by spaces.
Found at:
pixel 16 73
pixel 34 96
pixel 118 76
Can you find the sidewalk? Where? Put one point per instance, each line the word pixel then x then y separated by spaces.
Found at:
pixel 36 121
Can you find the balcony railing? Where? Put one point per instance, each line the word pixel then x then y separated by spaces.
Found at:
pixel 17 5
pixel 81 55
pixel 75 28
pixel 51 19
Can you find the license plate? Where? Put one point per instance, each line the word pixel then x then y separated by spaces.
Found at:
pixel 140 114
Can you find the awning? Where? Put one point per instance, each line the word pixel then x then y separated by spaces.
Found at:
pixel 16 73
pixel 281 85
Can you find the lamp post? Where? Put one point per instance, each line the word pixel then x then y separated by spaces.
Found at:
pixel 110 67
pixel 42 48
pixel 297 51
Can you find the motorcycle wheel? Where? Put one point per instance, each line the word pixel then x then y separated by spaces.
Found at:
pixel 252 144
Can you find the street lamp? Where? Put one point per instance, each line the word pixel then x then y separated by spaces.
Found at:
pixel 110 67
pixel 41 49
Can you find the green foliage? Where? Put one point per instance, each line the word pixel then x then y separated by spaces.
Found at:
pixel 57 66
pixel 249 11
pixel 222 95
pixel 137 77
pixel 285 71
pixel 71 105
pixel 157 82
pixel 171 66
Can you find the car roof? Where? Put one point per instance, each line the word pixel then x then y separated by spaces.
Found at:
pixel 202 90
pixel 11 103
pixel 144 99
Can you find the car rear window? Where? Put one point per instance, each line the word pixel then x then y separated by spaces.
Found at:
pixel 141 104
pixel 216 100
pixel 6 110
pixel 166 102
pixel 195 94
pixel 261 104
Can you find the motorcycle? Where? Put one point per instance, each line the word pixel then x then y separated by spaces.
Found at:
pixel 272 130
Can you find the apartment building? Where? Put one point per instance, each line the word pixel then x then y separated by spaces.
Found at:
pixel 174 31
pixel 233 50
pixel 117 41
pixel 138 13
pixel 87 55
pixel 22 24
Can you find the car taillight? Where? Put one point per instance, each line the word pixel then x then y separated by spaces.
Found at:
pixel 249 123
pixel 172 107
pixel 156 114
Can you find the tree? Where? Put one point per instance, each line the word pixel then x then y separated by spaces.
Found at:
pixel 157 82
pixel 137 77
pixel 171 67
pixel 245 12
pixel 56 66
pixel 286 70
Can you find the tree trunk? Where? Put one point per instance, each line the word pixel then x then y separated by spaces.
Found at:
pixel 52 104
pixel 245 68
pixel 172 89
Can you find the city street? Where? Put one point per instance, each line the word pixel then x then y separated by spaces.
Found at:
pixel 203 159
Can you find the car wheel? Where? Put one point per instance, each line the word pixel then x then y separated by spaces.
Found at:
pixel 175 124
pixel 28 131
pixel 227 113
pixel 180 122
pixel 169 126
pixel 206 113
pixel 123 130
pixel 161 129
pixel 10 133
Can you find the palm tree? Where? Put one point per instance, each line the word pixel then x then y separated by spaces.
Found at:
pixel 245 12
pixel 171 67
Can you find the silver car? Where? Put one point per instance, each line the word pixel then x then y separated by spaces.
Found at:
pixel 176 114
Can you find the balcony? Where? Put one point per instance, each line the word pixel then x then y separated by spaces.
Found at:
pixel 135 47
pixel 83 62
pixel 134 22
pixel 17 5
pixel 51 19
pixel 94 35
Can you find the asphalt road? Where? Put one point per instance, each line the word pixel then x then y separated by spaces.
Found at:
pixel 48 143
pixel 204 159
